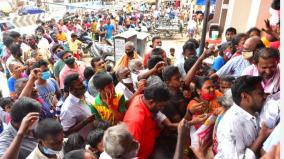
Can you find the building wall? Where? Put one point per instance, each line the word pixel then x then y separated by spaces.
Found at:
pixel 244 14
pixel 238 14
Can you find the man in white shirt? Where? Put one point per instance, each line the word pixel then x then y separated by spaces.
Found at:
pixel 75 114
pixel 125 85
pixel 238 133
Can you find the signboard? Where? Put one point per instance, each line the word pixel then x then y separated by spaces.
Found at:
pixel 119 49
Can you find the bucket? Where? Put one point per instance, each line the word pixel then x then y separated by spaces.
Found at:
pixel 214 35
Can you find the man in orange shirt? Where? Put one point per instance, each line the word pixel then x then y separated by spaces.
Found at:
pixel 140 117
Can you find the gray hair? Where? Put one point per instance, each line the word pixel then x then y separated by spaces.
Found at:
pixel 19 85
pixel 227 100
pixel 130 44
pixel 118 142
pixel 132 64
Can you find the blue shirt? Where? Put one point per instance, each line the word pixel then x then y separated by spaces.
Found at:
pixel 218 63
pixel 11 84
pixel 48 91
pixel 109 30
pixel 234 67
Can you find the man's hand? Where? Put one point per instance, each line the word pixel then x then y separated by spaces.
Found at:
pixel 34 74
pixel 268 28
pixel 183 128
pixel 27 122
pixel 159 66
pixel 90 119
pixel 141 85
pixel 109 98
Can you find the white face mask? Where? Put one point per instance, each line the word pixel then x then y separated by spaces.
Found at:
pixel 127 80
pixel 247 54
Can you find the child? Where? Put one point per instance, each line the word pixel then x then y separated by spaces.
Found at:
pixel 172 56
pixel 95 142
pixel 5 118
pixel 225 83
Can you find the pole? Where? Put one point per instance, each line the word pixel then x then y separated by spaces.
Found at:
pixel 204 28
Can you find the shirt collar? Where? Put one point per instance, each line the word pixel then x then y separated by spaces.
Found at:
pixel 73 98
pixel 244 113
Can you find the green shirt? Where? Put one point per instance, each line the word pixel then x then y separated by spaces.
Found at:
pixel 103 112
pixel 58 66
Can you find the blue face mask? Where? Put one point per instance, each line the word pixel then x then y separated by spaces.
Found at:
pixel 49 151
pixel 45 75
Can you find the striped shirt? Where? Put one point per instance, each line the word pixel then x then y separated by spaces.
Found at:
pixel 233 67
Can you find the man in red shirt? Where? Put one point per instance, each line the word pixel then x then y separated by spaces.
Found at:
pixel 156 42
pixel 140 117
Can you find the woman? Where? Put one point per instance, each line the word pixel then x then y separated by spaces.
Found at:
pixel 204 103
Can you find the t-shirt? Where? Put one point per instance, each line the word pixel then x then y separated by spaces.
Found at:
pixel 218 63
pixel 11 84
pixel 103 112
pixel 109 30
pixel 74 45
pixel 142 125
pixel 47 91
pixel 58 66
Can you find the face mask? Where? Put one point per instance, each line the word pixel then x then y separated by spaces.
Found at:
pixel 207 96
pixel 70 61
pixel 45 75
pixel 39 37
pixel 247 54
pixel 127 80
pixel 49 151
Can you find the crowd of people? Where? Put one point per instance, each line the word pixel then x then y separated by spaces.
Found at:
pixel 158 106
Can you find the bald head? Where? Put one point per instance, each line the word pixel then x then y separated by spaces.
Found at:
pixel 251 43
pixel 122 72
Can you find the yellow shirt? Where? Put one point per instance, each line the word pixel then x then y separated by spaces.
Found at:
pixel 74 45
pixel 61 37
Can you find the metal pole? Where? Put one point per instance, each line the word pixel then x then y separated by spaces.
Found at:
pixel 204 28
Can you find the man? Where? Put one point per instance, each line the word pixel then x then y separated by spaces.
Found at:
pixel 72 66
pixel 25 88
pixel 61 36
pixel 119 143
pixel 189 51
pixel 59 64
pixel 108 105
pixel 156 42
pixel 125 85
pixel 140 117
pixel 130 54
pixel 20 109
pixel 53 46
pixel 266 65
pixel 50 135
pixel 43 43
pixel 235 66
pixel 238 133
pixel 110 29
pixel 46 86
pixel 75 114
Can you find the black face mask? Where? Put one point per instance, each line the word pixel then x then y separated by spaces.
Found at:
pixel 70 61
pixel 130 52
